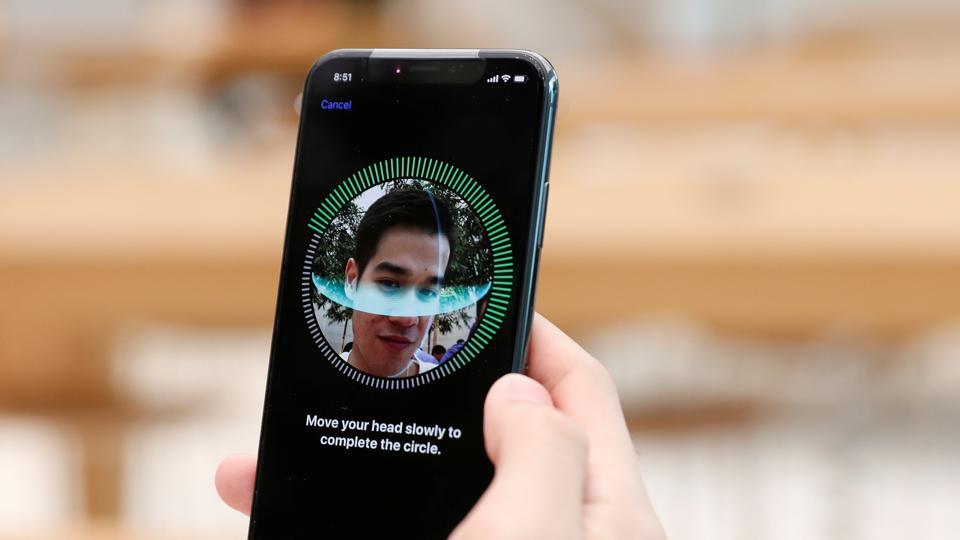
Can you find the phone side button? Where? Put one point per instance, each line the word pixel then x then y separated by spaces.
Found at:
pixel 543 213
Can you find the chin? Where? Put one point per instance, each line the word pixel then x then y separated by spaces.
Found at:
pixel 395 363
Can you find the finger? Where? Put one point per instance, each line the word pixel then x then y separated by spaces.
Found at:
pixel 540 459
pixel 580 387
pixel 234 481
pixel 584 391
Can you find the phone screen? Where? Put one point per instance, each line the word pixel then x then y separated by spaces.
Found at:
pixel 407 276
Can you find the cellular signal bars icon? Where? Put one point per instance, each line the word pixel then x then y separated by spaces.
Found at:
pixel 494 79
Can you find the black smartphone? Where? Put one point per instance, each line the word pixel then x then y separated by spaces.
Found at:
pixel 412 242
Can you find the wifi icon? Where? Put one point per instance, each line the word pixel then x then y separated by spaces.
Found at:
pixel 505 78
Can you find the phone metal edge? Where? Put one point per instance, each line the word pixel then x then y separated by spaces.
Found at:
pixel 417 54
pixel 539 205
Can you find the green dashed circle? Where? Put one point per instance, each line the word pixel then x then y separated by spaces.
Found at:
pixel 485 209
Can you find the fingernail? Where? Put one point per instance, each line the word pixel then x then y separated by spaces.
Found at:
pixel 515 387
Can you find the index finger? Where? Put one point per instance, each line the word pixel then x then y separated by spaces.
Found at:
pixel 583 390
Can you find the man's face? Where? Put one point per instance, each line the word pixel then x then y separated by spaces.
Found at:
pixel 405 260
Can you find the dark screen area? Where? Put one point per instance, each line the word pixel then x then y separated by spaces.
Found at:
pixel 492 131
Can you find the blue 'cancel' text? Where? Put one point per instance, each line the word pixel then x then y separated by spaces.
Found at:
pixel 327 105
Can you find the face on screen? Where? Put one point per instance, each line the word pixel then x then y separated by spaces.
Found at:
pixel 416 269
pixel 406 261
pixel 407 253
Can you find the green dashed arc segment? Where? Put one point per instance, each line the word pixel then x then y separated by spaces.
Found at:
pixel 482 205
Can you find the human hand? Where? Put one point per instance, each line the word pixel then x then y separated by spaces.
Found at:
pixel 565 464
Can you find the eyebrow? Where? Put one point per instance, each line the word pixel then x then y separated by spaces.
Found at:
pixel 391 268
pixel 397 270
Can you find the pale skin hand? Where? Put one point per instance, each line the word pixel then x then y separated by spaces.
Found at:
pixel 565 464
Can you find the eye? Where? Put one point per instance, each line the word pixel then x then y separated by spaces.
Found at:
pixel 389 286
pixel 428 294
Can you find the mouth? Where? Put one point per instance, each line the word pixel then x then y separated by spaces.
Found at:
pixel 395 343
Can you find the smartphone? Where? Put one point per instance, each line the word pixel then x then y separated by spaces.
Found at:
pixel 407 283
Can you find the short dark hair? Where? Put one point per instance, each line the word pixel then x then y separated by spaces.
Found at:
pixel 412 208
pixel 438 349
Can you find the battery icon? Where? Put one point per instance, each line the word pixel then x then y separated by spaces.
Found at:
pixel 520 78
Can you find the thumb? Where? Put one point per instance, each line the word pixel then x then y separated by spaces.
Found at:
pixel 540 459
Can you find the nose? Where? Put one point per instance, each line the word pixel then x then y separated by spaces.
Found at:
pixel 405 322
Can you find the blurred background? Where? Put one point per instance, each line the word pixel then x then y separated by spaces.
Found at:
pixel 754 222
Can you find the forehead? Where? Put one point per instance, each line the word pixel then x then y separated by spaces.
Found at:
pixel 414 249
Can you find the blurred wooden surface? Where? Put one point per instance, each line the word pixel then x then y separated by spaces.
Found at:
pixel 80 258
pixel 112 531
pixel 858 83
